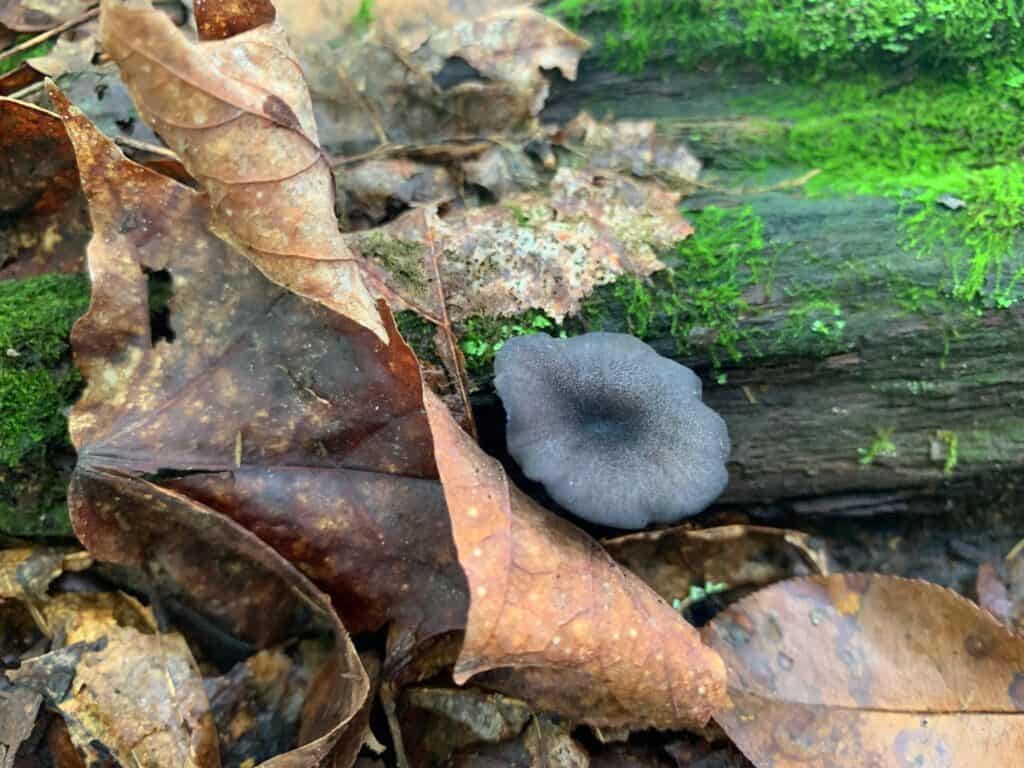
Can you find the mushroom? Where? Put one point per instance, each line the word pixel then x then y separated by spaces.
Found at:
pixel 616 433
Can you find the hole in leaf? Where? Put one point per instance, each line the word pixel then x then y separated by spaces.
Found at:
pixel 456 71
pixel 159 284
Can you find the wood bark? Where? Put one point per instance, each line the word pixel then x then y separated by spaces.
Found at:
pixel 941 381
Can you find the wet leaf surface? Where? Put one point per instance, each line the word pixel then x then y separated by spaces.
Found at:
pixel 569 630
pixel 853 670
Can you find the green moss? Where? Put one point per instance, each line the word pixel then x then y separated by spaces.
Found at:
pixel 815 36
pixel 481 337
pixel 37 385
pixel 923 101
pixel 13 62
pixel 952 450
pixel 418 334
pixel 947 147
pixel 364 17
pixel 699 300
pixel 402 259
pixel 882 445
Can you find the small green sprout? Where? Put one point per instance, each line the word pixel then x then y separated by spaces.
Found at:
pixel 881 446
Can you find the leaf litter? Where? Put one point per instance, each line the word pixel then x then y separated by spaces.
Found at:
pixel 300 424
pixel 303 421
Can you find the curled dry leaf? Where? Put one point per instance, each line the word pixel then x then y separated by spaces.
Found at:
pixel 148 406
pixel 45 220
pixel 571 631
pixel 269 408
pixel 414 72
pixel 674 560
pixel 532 251
pixel 858 669
pixel 238 114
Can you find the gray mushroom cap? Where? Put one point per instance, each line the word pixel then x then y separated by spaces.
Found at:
pixel 616 433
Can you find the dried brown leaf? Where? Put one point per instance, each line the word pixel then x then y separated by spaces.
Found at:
pixel 39 15
pixel 73 52
pixel 46 224
pixel 139 695
pixel 562 626
pixel 858 669
pixel 631 146
pixel 266 407
pixel 425 71
pixel 437 723
pixel 673 560
pixel 535 250
pixel 26 573
pixel 238 114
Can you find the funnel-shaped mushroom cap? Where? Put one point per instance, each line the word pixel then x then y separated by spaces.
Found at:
pixel 616 433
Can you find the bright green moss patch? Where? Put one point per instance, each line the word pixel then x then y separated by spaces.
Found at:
pixel 481 337
pixel 700 299
pixel 37 385
pixel 882 445
pixel 919 100
pixel 815 36
pixel 947 146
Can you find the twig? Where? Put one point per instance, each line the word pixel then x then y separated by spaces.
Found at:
pixel 44 36
pixel 461 380
pixel 27 91
pixel 799 181
pixel 453 149
pixel 144 146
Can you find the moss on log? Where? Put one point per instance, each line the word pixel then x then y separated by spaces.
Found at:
pixel 37 385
